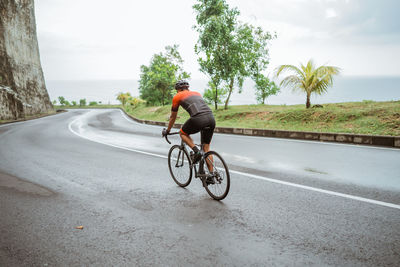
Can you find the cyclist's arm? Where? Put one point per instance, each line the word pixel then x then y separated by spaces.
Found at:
pixel 172 119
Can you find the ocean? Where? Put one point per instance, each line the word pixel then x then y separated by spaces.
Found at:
pixel 345 89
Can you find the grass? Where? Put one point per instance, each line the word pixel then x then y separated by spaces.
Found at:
pixel 367 117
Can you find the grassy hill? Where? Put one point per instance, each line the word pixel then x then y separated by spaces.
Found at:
pixel 367 117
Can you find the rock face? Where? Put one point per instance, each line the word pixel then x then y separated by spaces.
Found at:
pixel 22 87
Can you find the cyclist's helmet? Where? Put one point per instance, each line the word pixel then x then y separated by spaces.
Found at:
pixel 182 84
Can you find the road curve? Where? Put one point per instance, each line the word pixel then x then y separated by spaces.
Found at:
pixel 291 203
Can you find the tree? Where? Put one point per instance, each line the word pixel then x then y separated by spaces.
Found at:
pixel 265 88
pixel 157 80
pixel 215 25
pixel 54 102
pixel 227 49
pixel 123 98
pixel 73 103
pixel 212 97
pixel 92 103
pixel 82 102
pixel 308 79
pixel 250 56
pixel 61 99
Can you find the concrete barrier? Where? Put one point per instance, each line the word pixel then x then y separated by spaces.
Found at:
pixel 376 140
pixel 397 142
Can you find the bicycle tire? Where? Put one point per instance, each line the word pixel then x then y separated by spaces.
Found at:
pixel 180 176
pixel 220 189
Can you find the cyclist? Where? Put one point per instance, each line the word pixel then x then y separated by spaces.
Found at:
pixel 201 118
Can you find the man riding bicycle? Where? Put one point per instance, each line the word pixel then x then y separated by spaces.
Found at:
pixel 201 118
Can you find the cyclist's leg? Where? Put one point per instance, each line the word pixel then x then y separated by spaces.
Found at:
pixel 206 136
pixel 188 128
pixel 187 139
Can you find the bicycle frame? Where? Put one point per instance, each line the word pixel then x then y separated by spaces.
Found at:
pixel 197 173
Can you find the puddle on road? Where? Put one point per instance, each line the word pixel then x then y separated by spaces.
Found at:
pixel 12 182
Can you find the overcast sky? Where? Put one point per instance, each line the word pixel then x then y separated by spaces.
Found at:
pixel 96 39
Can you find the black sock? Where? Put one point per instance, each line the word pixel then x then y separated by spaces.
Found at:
pixel 195 149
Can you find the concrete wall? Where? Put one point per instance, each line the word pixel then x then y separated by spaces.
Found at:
pixel 22 87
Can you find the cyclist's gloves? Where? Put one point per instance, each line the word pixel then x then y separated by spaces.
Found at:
pixel 165 132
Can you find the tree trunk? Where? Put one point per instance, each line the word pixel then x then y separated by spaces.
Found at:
pixel 230 92
pixel 216 97
pixel 308 103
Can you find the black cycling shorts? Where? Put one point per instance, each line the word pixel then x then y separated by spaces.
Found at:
pixel 204 123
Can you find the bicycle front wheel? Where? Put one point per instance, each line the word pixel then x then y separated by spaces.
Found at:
pixel 179 166
pixel 217 181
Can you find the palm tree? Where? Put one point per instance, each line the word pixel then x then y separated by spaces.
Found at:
pixel 123 98
pixel 309 79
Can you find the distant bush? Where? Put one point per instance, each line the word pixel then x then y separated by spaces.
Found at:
pixel 82 102
pixel 61 99
pixel 73 103
pixel 92 103
pixel 136 101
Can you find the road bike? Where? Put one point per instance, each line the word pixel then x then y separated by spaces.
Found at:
pixel 211 169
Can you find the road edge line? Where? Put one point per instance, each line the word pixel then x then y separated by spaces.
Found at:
pixel 328 192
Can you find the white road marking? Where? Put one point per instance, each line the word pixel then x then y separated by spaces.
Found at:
pixel 333 193
pixel 108 144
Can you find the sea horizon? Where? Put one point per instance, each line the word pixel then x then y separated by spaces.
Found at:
pixel 353 88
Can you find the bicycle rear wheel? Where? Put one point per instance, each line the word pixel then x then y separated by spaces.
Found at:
pixel 218 181
pixel 179 166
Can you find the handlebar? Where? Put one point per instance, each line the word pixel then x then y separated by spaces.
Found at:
pixel 166 137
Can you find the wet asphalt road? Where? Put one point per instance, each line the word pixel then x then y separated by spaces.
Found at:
pixel 58 172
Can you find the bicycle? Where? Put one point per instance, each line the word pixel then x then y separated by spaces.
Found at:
pixel 215 177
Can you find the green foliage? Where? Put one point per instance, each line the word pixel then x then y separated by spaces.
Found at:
pixel 123 98
pixel 215 25
pixel 308 78
pixel 73 103
pixel 54 102
pixel 133 103
pixel 212 97
pixel 82 102
pixel 228 50
pixel 67 103
pixel 156 85
pixel 61 100
pixel 136 101
pixel 92 103
pixel 264 88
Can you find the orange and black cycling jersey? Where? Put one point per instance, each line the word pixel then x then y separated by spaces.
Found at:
pixel 191 101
